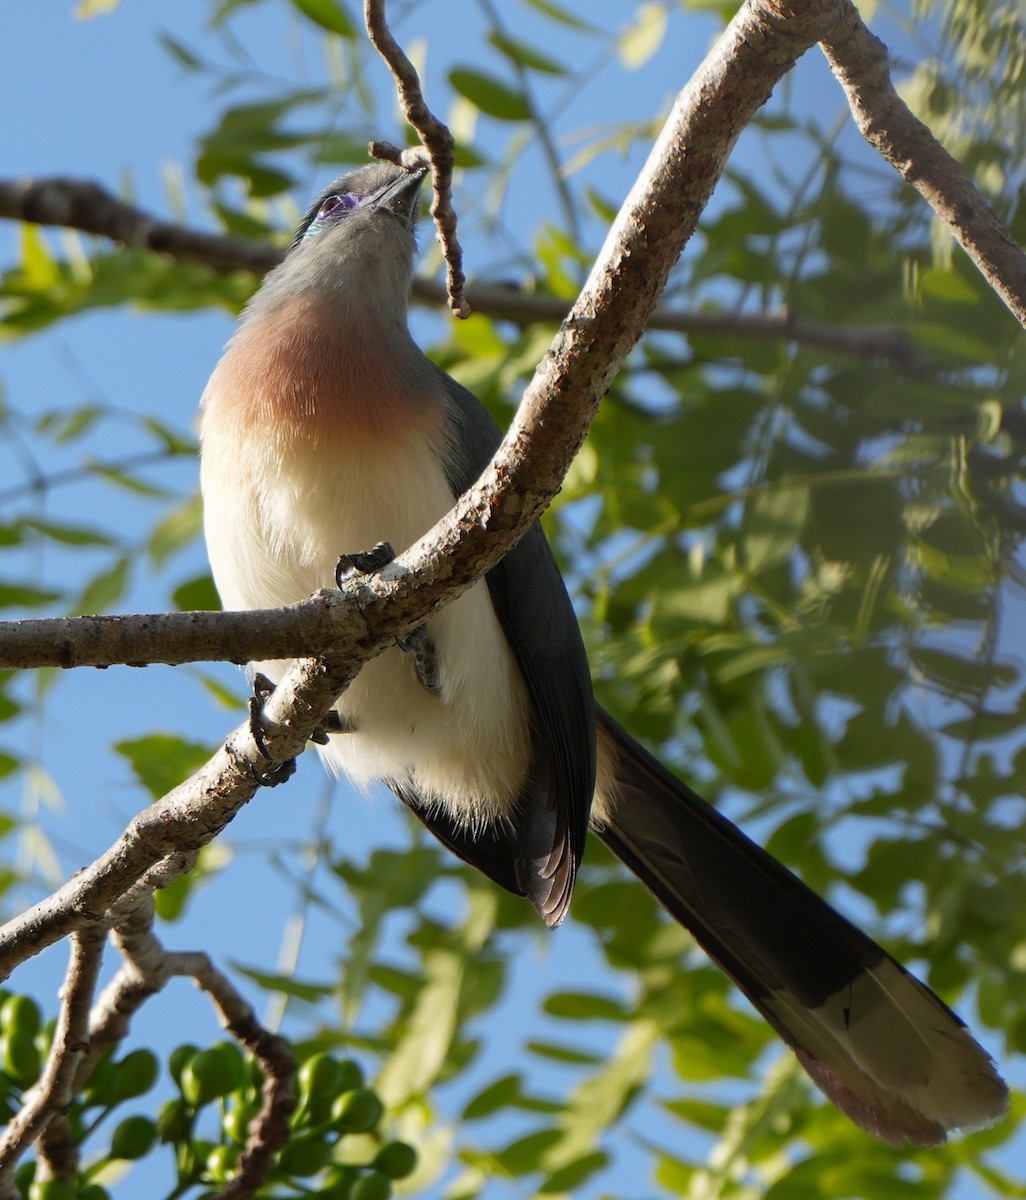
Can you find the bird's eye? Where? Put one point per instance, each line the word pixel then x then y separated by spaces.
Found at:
pixel 332 204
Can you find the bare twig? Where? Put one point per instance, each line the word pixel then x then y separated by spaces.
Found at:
pixel 860 62
pixel 82 1037
pixel 437 141
pixel 81 204
pixel 300 630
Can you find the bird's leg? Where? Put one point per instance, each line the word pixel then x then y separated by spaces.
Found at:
pixel 333 722
pixel 425 658
pixel 418 643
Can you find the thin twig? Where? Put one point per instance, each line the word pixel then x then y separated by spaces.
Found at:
pixel 438 143
pixel 148 960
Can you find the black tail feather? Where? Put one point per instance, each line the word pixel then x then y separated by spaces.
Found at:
pixel 879 1043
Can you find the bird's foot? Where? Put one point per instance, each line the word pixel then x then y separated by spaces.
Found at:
pixel 366 561
pixel 262 689
pixel 425 658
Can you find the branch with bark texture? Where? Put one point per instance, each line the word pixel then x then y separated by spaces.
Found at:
pixel 860 62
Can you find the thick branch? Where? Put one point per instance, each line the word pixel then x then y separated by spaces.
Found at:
pixel 161 841
pixel 300 631
pixel 860 62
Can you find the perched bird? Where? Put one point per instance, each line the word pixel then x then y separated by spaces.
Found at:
pixel 326 430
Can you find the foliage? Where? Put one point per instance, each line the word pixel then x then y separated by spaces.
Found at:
pixel 797 569
pixel 204 1124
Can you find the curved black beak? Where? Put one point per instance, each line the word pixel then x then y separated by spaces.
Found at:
pixel 400 196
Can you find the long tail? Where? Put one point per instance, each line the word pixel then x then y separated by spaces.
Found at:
pixel 879 1043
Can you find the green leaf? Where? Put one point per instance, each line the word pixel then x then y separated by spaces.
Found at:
pixel 773 523
pixel 640 41
pixel 180 52
pixel 104 590
pixel 527 1154
pixel 197 595
pixel 161 761
pixel 68 535
pixel 502 1093
pixel 573 1176
pixel 270 981
pixel 562 15
pixel 173 440
pixel 25 595
pixel 490 95
pixel 705 600
pixel 585 1006
pixel 176 529
pixel 130 481
pixel 525 55
pixel 561 1052
pixel 329 14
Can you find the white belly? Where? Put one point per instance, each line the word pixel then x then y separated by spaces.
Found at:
pixel 275 530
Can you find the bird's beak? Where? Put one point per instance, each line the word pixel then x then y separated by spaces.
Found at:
pixel 400 196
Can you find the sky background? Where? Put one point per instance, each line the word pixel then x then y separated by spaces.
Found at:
pixel 101 99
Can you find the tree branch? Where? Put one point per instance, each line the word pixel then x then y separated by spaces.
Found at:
pixel 859 60
pixel 55 1088
pixel 149 967
pixel 84 205
pixel 82 1036
pixel 299 631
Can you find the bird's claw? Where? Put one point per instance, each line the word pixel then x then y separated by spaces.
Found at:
pixel 365 561
pixel 262 689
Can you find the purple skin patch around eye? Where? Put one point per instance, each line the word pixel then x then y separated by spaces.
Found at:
pixel 333 208
pixel 345 202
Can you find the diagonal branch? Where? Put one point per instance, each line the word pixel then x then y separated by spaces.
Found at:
pixel 53 1091
pixel 859 60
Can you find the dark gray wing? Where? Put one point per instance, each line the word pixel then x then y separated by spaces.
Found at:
pixel 539 856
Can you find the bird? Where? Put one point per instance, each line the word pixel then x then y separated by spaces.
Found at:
pixel 326 431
